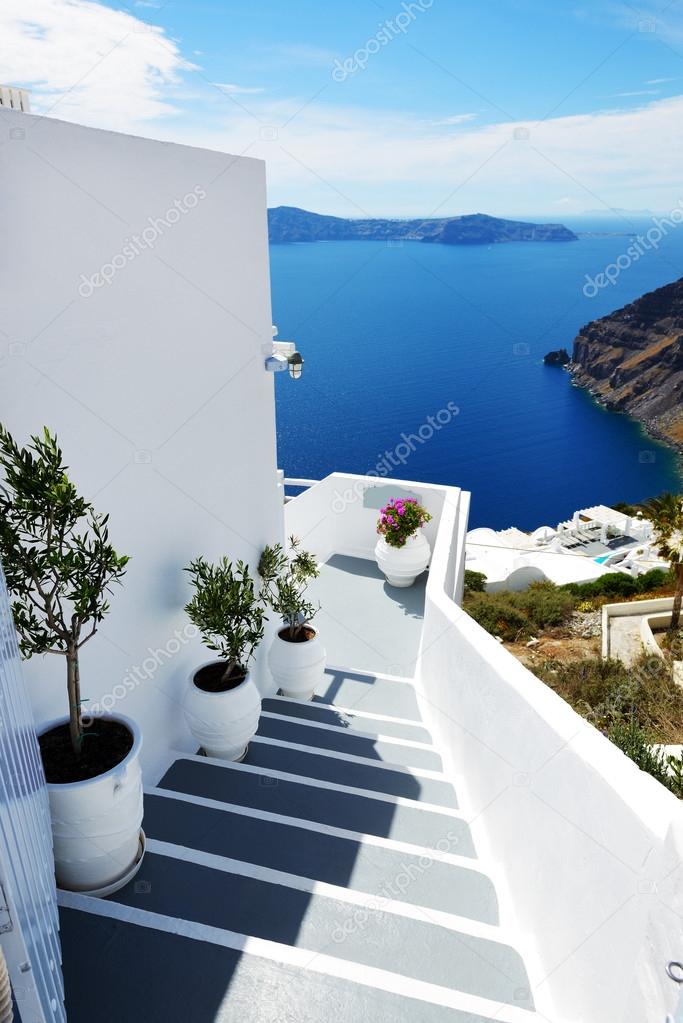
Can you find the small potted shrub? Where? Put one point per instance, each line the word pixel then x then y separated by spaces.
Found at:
pixel 297 657
pixel 402 551
pixel 59 567
pixel 222 704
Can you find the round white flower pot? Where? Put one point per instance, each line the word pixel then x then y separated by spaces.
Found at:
pixel 298 668
pixel 223 723
pixel 96 823
pixel 402 565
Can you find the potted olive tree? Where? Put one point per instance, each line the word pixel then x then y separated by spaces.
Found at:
pixel 297 656
pixel 222 704
pixel 59 567
pixel 402 551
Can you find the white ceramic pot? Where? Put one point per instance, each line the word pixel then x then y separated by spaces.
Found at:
pixel 298 668
pixel 223 723
pixel 402 565
pixel 96 823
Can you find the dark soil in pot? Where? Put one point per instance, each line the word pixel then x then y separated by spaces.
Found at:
pixel 302 636
pixel 105 744
pixel 211 678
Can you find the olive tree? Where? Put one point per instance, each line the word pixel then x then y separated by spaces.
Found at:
pixel 58 562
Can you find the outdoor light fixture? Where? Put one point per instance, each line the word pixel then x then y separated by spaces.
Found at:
pixel 282 355
pixel 296 365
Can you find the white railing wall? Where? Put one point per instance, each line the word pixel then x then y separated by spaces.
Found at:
pixel 579 834
pixel 339 514
pixel 29 927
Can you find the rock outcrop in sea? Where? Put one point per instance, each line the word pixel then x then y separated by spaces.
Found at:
pixel 559 358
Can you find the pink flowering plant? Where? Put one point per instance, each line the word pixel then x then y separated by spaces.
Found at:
pixel 400 519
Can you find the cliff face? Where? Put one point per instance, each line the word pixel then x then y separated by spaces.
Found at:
pixel 290 224
pixel 632 361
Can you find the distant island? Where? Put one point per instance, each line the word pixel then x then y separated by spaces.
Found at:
pixel 632 361
pixel 291 224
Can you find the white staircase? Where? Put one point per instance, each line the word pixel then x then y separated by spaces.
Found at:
pixel 329 875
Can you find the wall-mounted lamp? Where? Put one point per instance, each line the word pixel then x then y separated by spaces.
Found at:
pixel 283 355
pixel 296 365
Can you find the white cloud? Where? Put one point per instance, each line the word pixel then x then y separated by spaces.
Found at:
pixel 351 161
pixel 640 92
pixel 237 90
pixel 456 119
pixel 83 61
pixel 99 66
pixel 661 81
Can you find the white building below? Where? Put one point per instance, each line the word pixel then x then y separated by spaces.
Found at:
pixel 594 542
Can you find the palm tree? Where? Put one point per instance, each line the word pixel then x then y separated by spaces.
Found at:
pixel 666 514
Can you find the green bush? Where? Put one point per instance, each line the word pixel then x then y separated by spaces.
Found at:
pixel 654 580
pixel 513 616
pixel 634 706
pixel 618 584
pixel 475 582
pixel 497 613
pixel 545 604
pixel 608 692
pixel 635 742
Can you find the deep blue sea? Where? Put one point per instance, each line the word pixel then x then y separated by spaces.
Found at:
pixel 393 334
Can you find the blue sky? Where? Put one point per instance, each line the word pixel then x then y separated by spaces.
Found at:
pixel 382 107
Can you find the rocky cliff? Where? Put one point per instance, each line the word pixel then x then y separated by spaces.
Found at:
pixel 632 361
pixel 290 224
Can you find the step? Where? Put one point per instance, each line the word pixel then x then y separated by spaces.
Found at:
pixel 345 859
pixel 369 693
pixel 387 750
pixel 369 724
pixel 359 813
pixel 339 769
pixel 210 980
pixel 413 948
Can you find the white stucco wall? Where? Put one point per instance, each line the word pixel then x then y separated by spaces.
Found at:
pixel 339 514
pixel 154 382
pixel 577 830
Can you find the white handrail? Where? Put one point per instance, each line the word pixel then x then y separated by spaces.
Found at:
pixel 290 482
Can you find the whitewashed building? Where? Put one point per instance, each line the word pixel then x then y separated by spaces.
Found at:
pixel 593 543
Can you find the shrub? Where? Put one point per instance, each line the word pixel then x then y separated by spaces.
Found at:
pixel 607 692
pixel 634 741
pixel 285 582
pixel 634 706
pixel 497 613
pixel 618 584
pixel 227 611
pixel 654 580
pixel 545 604
pixel 475 582
pixel 515 615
